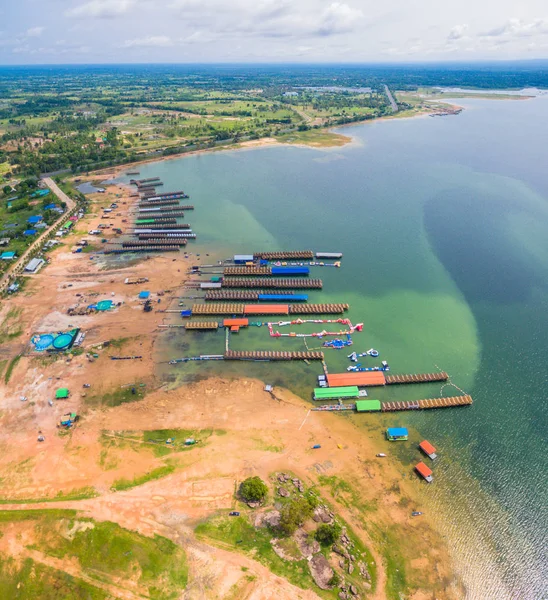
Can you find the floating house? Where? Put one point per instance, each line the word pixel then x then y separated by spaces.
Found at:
pixel 394 434
pixel 242 259
pixel 424 472
pixel 428 449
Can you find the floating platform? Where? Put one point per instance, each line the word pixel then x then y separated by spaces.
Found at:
pixel 146 203
pixel 140 249
pixel 312 284
pixel 202 325
pixel 161 226
pixel 245 295
pixel 272 309
pixel 173 212
pixel 333 255
pixel 162 209
pixel 170 195
pixel 372 378
pixel 164 234
pixel 264 271
pixel 154 242
pixel 264 355
pixel 428 403
pixel 292 254
pixel 317 309
pixel 139 181
pixel 156 221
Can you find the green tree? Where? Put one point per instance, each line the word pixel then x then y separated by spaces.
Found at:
pixel 6 189
pixel 328 534
pixel 253 489
pixel 294 514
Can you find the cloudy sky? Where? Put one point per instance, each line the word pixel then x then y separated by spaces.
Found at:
pixel 120 31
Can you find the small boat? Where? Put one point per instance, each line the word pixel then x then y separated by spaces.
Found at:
pixel 381 455
pixel 416 513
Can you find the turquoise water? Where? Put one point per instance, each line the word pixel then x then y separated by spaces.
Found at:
pixel 444 227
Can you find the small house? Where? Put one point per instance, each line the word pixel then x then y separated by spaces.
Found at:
pixel 33 265
pixel 29 232
pixel 34 219
pixel 7 256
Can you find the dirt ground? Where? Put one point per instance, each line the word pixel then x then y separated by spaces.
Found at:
pixel 249 432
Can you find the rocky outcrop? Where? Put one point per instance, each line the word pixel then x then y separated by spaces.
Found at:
pixel 321 571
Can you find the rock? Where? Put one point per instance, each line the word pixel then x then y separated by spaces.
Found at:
pixel 254 504
pixel 341 563
pixel 343 595
pixel 321 571
pixel 321 514
pixel 352 558
pixel 268 519
pixel 340 551
pixel 283 492
pixel 350 569
pixel 282 477
pixel 353 590
pixel 366 585
pixel 307 546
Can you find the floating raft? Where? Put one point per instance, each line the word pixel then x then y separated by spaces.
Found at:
pixel 154 242
pixel 317 309
pixel 162 234
pixel 162 209
pixel 170 195
pixel 271 355
pixel 218 309
pixel 428 403
pixel 145 203
pixel 168 226
pixel 273 283
pixel 262 271
pixel 202 325
pixel 139 181
pixel 295 254
pixel 246 295
pixel 147 249
pixel 156 221
pixel 174 212
pixel 421 378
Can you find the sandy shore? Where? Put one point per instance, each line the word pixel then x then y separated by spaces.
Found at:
pixel 259 434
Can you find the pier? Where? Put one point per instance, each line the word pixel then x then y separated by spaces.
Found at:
pixel 428 403
pixel 293 254
pixel 268 355
pixel 312 284
pixel 420 378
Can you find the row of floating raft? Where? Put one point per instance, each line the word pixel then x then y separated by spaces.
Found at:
pixel 154 242
pixel 264 271
pixel 249 295
pixel 143 249
pixel 162 209
pixel 465 400
pixel 271 355
pixel 268 309
pixel 294 254
pixel 312 284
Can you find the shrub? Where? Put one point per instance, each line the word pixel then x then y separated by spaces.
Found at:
pixel 328 534
pixel 294 514
pixel 253 489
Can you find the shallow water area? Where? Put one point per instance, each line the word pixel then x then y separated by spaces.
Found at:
pixel 443 224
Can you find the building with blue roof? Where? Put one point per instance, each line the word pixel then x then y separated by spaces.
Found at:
pixel 34 219
pixel 29 232
pixel 50 206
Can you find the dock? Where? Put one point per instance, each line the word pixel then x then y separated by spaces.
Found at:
pixel 421 378
pixel 131 249
pixel 290 255
pixel 267 355
pixel 465 400
pixel 245 295
pixel 155 242
pixel 201 325
pixel 374 378
pixel 270 309
pixel 264 271
pixel 312 284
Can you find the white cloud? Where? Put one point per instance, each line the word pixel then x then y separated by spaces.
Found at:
pixel 518 28
pixel 338 18
pixel 34 31
pixel 102 9
pixel 457 32
pixel 151 41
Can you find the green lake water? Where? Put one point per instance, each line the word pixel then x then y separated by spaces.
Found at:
pixel 443 223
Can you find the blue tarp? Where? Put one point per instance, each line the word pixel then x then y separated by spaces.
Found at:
pixel 144 295
pixel 397 431
pixel 29 232
pixel 290 270
pixel 283 297
pixel 34 219
pixel 186 313
pixel 49 206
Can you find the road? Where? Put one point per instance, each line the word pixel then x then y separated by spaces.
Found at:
pixel 71 205
pixel 391 99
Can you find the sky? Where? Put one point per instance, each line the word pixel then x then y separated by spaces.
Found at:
pixel 190 31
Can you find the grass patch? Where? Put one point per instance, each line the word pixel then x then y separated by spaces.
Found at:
pixel 117 396
pixel 11 366
pixel 13 516
pixel 31 580
pixel 236 533
pixel 344 493
pixel 119 342
pixel 78 494
pixel 314 137
pixel 11 326
pixel 156 439
pixel 126 484
pixel 3 364
pixel 156 563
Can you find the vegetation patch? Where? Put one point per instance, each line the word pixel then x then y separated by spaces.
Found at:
pixel 11 367
pixel 126 484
